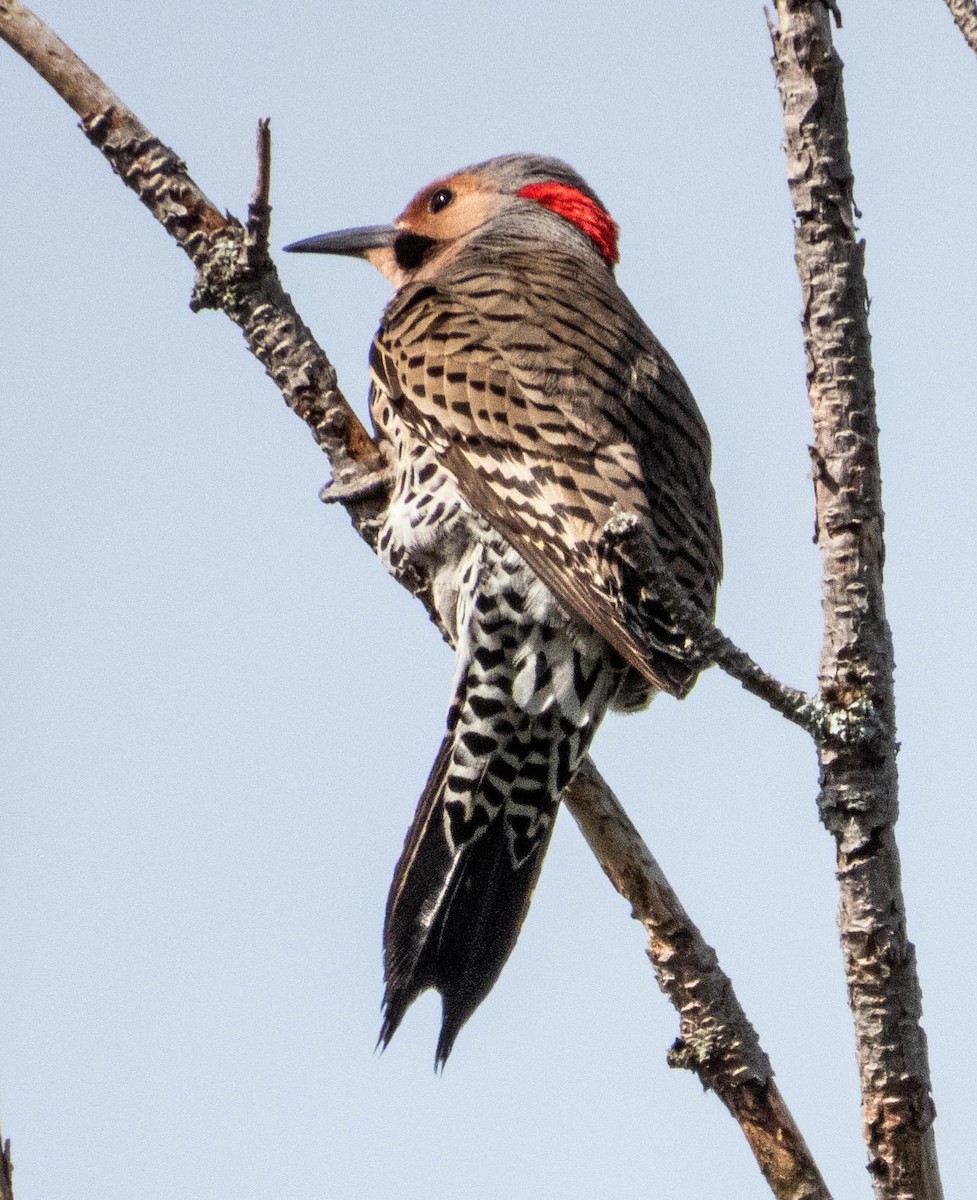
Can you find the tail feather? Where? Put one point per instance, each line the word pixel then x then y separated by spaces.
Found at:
pixel 454 912
pixel 531 686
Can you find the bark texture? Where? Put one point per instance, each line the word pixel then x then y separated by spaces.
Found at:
pixel 6 1170
pixel 705 639
pixel 964 12
pixel 858 800
pixel 716 1039
pixel 234 271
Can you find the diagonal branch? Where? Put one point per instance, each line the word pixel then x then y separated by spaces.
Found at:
pixel 704 641
pixel 249 292
pixel 964 12
pixel 235 274
pixel 857 723
pixel 717 1041
pixel 858 781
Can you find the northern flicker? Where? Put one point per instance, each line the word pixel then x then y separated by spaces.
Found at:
pixel 521 401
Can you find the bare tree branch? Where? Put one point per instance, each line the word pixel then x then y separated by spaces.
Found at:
pixel 704 641
pixel 216 244
pixel 235 274
pixel 858 782
pixel 259 208
pixel 964 12
pixel 6 1170
pixel 717 1041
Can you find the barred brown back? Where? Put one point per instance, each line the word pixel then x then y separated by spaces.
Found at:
pixel 550 401
pixel 521 401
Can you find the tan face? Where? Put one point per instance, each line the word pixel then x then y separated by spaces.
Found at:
pixel 445 211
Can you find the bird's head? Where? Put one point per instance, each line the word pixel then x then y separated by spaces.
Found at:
pixel 517 196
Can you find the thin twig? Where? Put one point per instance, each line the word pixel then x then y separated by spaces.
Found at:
pixel 858 781
pixel 259 207
pixel 705 642
pixel 857 723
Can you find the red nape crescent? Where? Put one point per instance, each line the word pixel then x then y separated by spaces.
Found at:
pixel 521 401
pixel 588 216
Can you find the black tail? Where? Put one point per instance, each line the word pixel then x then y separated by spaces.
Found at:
pixel 454 911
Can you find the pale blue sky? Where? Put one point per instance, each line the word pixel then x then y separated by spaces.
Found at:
pixel 218 712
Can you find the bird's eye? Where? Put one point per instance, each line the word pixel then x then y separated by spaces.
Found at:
pixel 441 199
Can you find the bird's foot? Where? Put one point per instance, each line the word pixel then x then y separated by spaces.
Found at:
pixel 357 486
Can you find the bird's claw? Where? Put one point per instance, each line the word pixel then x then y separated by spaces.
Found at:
pixel 356 487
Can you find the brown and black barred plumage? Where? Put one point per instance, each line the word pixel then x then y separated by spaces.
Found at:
pixel 521 401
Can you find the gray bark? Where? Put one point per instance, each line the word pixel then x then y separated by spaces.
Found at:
pixel 964 12
pixel 859 782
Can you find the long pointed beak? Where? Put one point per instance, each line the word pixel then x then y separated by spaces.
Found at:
pixel 354 242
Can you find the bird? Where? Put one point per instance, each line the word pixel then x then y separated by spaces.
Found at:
pixel 521 402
